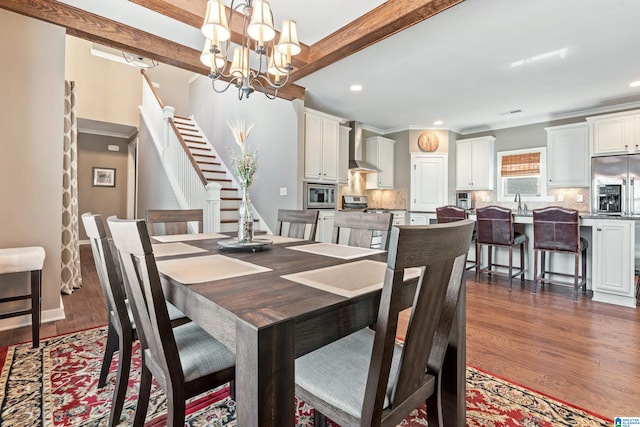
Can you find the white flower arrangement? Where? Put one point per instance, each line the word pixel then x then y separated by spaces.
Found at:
pixel 245 163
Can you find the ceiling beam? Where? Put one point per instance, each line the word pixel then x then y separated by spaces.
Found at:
pixel 95 28
pixel 384 21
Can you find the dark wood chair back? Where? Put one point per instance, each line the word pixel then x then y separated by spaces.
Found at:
pixel 299 221
pixel 495 226
pixel 556 229
pixel 450 213
pixel 361 227
pixel 173 221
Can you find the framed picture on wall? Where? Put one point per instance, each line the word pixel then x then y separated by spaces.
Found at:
pixel 104 177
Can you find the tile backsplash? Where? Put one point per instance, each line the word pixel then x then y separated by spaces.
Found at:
pixel 384 199
pixel 569 200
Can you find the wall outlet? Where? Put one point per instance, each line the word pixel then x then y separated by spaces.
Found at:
pixel 283 191
pixel 484 198
pixel 580 199
pixel 560 198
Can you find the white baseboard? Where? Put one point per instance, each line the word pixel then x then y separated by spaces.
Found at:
pixel 25 320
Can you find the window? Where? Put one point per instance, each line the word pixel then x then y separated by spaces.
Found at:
pixel 522 172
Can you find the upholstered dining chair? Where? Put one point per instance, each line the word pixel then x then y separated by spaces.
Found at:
pixel 121 332
pixel 173 221
pixel 556 229
pixel 495 229
pixel 366 379
pixel 299 221
pixel 451 213
pixel 185 360
pixel 361 228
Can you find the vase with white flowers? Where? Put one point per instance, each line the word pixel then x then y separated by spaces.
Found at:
pixel 245 164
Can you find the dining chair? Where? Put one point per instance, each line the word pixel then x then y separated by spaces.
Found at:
pixel 121 329
pixel 451 213
pixel 185 360
pixel 173 221
pixel 366 378
pixel 299 221
pixel 361 228
pixel 495 229
pixel 556 229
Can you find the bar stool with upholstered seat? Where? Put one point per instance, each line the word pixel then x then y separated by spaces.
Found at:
pixel 495 229
pixel 451 213
pixel 25 260
pixel 557 229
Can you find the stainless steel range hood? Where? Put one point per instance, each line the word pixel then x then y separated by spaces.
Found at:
pixel 356 162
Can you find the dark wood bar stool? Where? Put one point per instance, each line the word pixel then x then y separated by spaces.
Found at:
pixel 25 260
pixel 495 229
pixel 451 213
pixel 558 230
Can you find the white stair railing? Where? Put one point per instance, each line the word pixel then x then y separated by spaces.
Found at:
pixel 188 184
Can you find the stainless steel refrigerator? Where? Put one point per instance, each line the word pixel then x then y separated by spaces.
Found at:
pixel 615 187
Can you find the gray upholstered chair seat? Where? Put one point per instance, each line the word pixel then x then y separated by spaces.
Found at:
pixel 337 373
pixel 174 313
pixel 518 238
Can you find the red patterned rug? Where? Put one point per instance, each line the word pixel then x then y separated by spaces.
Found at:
pixel 56 386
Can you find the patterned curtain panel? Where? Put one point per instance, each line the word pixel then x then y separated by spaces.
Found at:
pixel 71 278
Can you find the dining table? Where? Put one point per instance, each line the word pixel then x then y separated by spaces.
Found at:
pixel 280 302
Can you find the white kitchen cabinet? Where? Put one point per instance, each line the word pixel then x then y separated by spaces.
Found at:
pixel 429 181
pixel 475 163
pixel 568 145
pixel 321 147
pixel 343 155
pixel 324 230
pixel 422 218
pixel 616 133
pixel 399 217
pixel 613 262
pixel 381 154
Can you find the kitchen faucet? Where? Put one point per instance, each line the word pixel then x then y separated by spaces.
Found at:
pixel 518 199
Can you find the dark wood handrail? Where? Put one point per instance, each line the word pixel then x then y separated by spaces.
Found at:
pixel 153 89
pixel 176 131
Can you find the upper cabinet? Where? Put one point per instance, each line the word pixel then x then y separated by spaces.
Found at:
pixel 617 133
pixel 380 153
pixel 343 155
pixel 475 163
pixel 321 146
pixel 568 145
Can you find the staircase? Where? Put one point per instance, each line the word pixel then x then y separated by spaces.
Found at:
pixel 213 170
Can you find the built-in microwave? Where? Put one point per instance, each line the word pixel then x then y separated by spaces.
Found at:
pixel 319 196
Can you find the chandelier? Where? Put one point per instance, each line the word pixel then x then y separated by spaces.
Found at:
pixel 273 61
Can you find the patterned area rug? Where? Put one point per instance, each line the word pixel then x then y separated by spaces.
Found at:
pixel 56 386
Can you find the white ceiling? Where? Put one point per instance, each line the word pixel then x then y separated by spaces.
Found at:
pixel 456 66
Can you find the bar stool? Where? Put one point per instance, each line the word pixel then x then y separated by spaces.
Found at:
pixel 558 230
pixel 22 260
pixel 450 213
pixel 495 229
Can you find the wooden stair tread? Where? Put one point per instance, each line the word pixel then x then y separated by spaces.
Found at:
pixel 211 156
pixel 230 198
pixel 219 180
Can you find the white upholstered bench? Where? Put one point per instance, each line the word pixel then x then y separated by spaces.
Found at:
pixel 25 260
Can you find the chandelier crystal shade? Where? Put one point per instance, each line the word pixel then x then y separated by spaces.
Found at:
pixel 232 63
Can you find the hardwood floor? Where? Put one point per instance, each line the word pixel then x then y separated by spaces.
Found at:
pixel 585 353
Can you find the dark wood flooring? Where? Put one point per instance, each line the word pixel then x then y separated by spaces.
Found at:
pixel 585 353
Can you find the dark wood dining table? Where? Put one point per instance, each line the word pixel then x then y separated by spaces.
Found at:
pixel 268 321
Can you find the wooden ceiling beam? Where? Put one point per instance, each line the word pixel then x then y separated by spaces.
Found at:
pixel 88 26
pixel 384 21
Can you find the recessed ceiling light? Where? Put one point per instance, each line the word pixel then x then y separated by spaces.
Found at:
pixel 635 84
pixel 438 122
pixel 355 88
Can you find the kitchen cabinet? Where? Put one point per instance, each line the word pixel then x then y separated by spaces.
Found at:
pixel 616 133
pixel 568 145
pixel 321 148
pixel 422 218
pixel 399 217
pixel 324 229
pixel 343 155
pixel 475 163
pixel 381 154
pixel 613 262
pixel 429 181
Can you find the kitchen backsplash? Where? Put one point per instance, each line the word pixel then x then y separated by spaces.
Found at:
pixel 569 199
pixel 383 199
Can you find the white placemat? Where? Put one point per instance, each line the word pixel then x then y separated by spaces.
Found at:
pixel 177 248
pixel 207 268
pixel 186 237
pixel 336 251
pixel 280 239
pixel 349 279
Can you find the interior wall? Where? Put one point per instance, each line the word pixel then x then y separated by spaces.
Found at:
pixel 275 134
pixel 172 85
pixel 31 119
pixel 93 151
